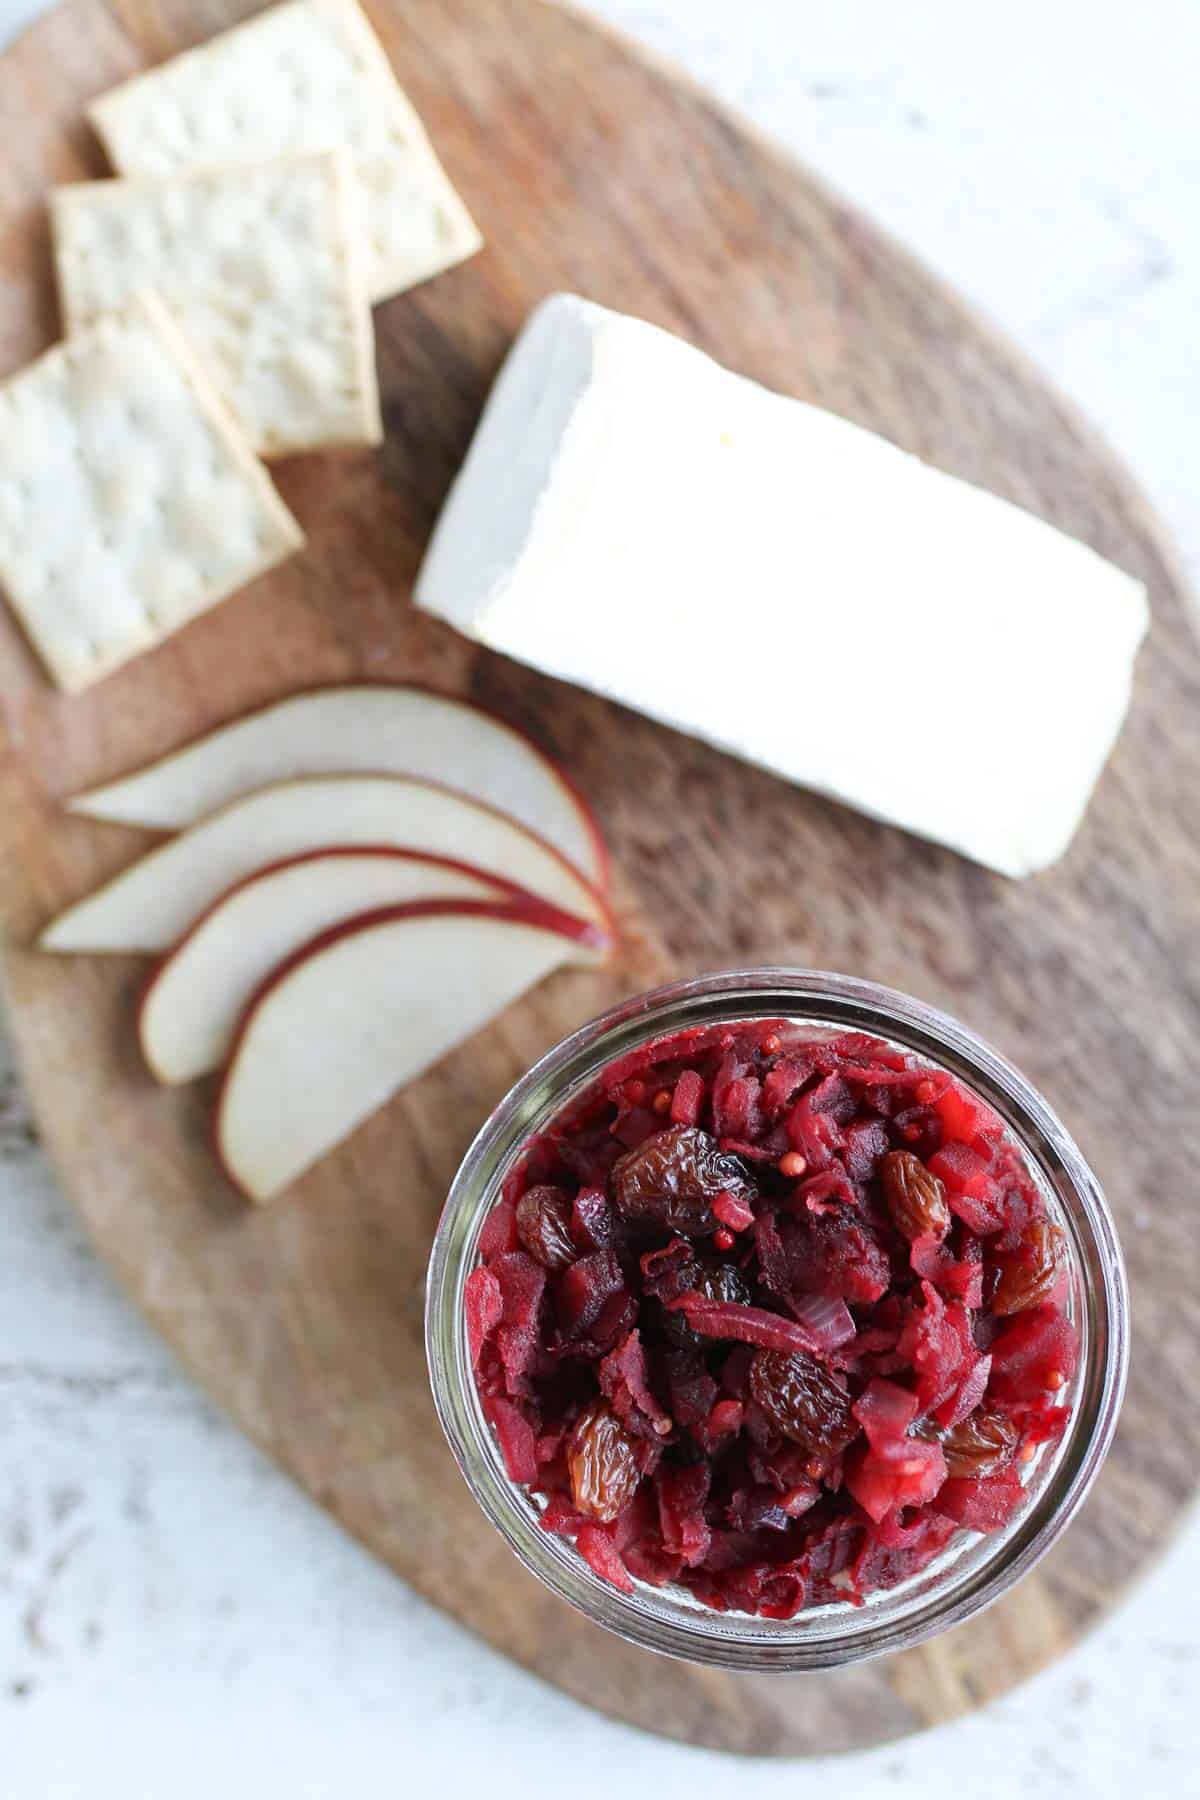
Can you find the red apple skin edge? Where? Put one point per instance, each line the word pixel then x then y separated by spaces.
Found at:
pixel 602 939
pixel 606 938
pixel 579 929
pixel 599 843
pixel 537 912
pixel 603 860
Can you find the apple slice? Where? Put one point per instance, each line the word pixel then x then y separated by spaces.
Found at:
pixel 150 905
pixel 194 999
pixel 364 729
pixel 357 1013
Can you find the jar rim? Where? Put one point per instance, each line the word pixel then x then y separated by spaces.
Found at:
pixel 973 1573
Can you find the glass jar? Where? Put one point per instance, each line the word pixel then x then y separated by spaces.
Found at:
pixel 974 1570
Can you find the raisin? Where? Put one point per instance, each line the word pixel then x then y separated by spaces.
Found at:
pixel 591 1219
pixel 716 1281
pixel 929 1430
pixel 979 1446
pixel 1027 1274
pixel 601 1464
pixel 803 1400
pixel 915 1197
pixel 671 1180
pixel 721 1281
pixel 544 1226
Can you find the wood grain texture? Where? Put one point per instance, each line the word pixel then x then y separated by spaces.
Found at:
pixel 590 168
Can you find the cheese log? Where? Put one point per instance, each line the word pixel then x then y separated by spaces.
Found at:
pixel 786 585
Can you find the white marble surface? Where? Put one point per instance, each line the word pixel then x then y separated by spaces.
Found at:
pixel 173 1617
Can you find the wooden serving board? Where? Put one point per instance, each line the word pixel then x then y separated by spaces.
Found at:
pixel 590 168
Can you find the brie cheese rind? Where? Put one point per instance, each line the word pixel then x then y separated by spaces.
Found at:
pixel 787 586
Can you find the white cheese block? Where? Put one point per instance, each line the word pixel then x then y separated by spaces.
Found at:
pixel 787 586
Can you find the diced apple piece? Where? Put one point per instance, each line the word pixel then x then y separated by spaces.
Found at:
pixel 192 1004
pixel 353 1016
pixel 151 905
pixel 364 729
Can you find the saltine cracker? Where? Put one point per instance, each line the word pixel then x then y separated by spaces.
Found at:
pixel 129 502
pixel 261 268
pixel 305 75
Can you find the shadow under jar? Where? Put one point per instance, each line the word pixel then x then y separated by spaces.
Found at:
pixel 973 1568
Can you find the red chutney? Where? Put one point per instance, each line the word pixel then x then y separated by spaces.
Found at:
pixel 771 1316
